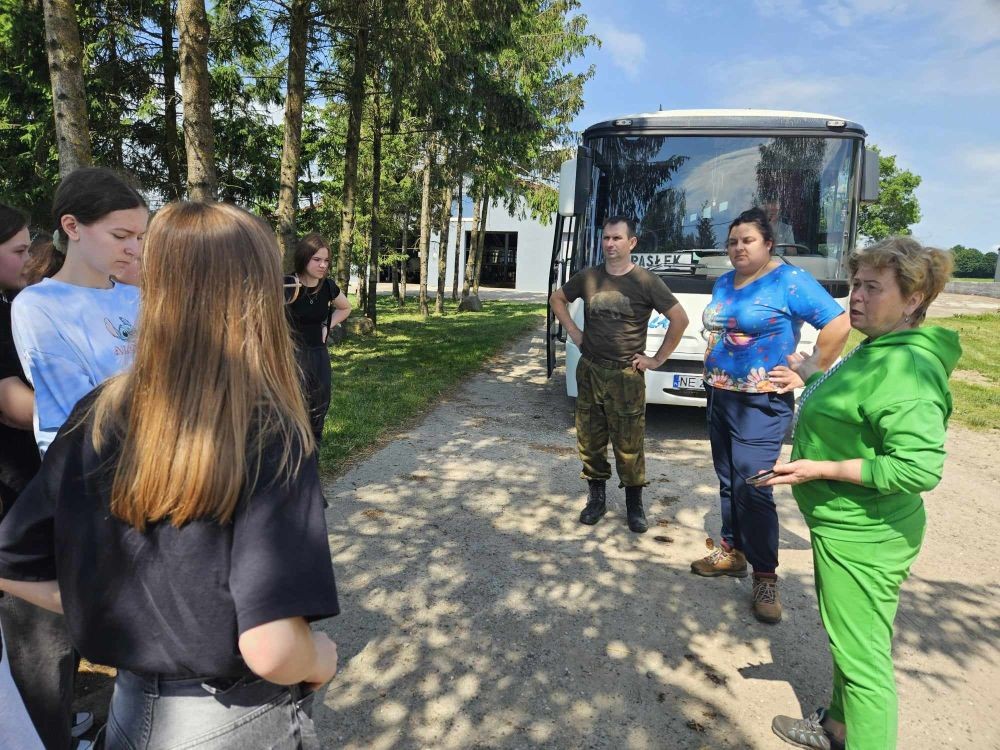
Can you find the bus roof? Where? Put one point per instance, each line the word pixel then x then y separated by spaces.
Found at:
pixel 726 119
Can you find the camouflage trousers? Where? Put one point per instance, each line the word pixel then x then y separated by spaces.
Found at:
pixel 611 403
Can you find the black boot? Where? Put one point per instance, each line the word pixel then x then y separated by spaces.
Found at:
pixel 596 503
pixel 633 507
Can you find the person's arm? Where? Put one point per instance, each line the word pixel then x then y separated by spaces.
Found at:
pixel 341 310
pixel 909 457
pixel 678 320
pixel 806 470
pixel 44 594
pixel 560 308
pixel 287 652
pixel 829 345
pixel 17 403
pixel 831 340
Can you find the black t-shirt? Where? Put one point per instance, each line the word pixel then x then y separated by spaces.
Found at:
pixel 168 600
pixel 617 308
pixel 18 452
pixel 310 310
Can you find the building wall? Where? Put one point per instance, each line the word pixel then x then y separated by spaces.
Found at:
pixel 534 249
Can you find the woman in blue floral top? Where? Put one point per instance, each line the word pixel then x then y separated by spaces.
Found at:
pixel 753 323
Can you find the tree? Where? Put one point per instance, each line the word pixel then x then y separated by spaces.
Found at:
pixel 199 133
pixel 897 208
pixel 65 52
pixel 970 263
pixel 291 152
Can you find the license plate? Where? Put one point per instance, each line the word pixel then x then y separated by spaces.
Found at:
pixel 684 382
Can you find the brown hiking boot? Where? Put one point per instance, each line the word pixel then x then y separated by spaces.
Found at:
pixel 766 604
pixel 718 562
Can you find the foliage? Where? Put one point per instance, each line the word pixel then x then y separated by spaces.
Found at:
pixel 970 263
pixel 383 380
pixel 897 208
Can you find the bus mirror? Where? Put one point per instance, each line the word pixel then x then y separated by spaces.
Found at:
pixel 574 185
pixel 869 177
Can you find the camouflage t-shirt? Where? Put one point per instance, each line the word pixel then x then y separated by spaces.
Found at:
pixel 617 309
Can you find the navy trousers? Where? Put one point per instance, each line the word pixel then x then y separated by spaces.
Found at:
pixel 746 431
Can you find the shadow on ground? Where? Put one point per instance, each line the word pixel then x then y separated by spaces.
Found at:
pixel 477 612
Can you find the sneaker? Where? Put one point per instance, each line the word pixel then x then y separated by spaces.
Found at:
pixel 82 722
pixel 718 562
pixel 766 604
pixel 808 733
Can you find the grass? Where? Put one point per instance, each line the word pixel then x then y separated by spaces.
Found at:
pixel 381 382
pixel 975 389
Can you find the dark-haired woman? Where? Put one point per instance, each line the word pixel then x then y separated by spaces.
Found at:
pixel 199 486
pixel 18 464
pixel 753 322
pixel 315 305
pixel 73 331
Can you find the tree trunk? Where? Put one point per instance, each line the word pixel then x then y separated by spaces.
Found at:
pixel 458 243
pixel 442 268
pixel 355 99
pixel 425 227
pixel 171 142
pixel 199 133
pixel 291 152
pixel 470 249
pixel 403 263
pixel 395 283
pixel 69 100
pixel 481 242
pixel 375 243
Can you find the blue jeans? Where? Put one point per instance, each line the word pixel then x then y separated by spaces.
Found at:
pixel 746 431
pixel 151 713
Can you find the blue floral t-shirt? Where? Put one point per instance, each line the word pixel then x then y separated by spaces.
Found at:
pixel 751 330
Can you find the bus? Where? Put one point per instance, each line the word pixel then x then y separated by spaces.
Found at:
pixel 684 175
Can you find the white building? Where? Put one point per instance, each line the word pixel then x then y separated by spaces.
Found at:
pixel 517 252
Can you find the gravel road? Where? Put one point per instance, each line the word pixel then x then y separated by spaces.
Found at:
pixel 478 613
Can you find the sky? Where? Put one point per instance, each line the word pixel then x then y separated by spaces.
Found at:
pixel 921 76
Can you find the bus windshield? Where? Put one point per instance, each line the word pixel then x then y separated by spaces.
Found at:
pixel 684 191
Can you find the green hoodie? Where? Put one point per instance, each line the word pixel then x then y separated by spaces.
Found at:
pixel 887 404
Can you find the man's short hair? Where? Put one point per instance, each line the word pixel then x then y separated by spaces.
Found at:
pixel 628 221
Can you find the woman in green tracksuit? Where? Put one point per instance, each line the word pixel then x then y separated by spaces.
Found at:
pixel 868 440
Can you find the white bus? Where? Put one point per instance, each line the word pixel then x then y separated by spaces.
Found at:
pixel 684 175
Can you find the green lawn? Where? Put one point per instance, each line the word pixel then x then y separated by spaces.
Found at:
pixel 381 382
pixel 977 404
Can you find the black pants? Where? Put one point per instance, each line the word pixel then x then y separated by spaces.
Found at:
pixel 43 664
pixel 314 361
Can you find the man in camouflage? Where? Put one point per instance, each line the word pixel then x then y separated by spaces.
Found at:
pixel 618 298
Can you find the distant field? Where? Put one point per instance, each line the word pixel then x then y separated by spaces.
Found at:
pixel 975 384
pixel 975 281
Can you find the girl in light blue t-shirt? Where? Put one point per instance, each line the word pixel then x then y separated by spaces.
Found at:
pixel 73 331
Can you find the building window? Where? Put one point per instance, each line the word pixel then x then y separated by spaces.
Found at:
pixel 499 258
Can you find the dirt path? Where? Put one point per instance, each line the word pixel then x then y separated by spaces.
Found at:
pixel 479 613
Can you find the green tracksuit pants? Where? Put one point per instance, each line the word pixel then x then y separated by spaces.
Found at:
pixel 611 403
pixel 857 585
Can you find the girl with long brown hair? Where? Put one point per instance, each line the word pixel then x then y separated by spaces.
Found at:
pixel 194 475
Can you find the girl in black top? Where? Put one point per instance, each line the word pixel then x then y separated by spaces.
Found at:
pixel 315 305
pixel 177 518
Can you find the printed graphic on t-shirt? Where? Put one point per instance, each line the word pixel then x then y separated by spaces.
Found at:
pixel 751 330
pixel 610 305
